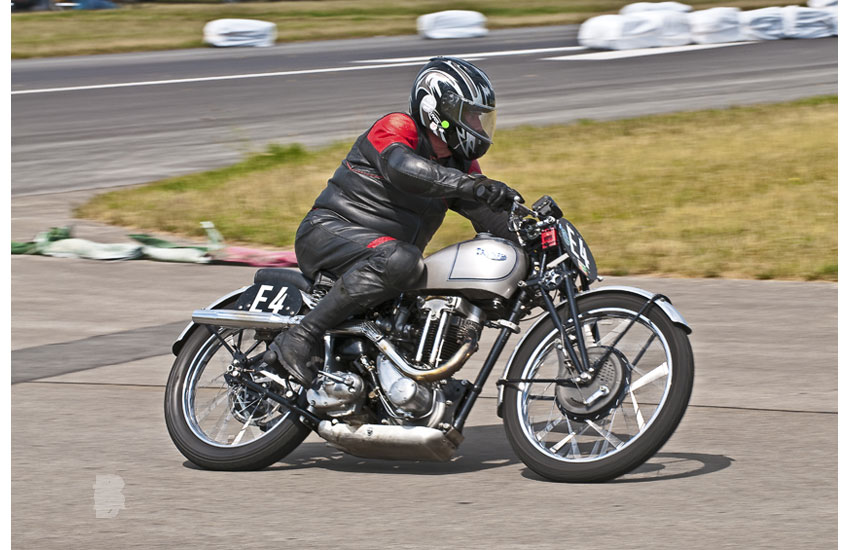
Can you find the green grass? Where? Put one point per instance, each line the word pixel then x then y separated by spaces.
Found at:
pixel 747 192
pixel 157 26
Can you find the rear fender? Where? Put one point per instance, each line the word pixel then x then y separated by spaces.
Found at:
pixel 190 328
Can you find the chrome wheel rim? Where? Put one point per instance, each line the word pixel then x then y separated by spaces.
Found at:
pixel 224 415
pixel 649 377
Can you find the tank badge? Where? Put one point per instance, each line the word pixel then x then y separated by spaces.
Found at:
pixel 491 255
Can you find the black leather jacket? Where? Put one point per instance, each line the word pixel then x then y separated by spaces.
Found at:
pixel 392 182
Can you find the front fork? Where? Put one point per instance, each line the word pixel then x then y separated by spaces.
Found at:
pixel 499 345
pixel 580 361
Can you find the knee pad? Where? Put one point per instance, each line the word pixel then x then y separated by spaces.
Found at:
pixel 404 267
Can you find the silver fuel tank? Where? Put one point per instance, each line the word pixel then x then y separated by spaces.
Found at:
pixel 485 263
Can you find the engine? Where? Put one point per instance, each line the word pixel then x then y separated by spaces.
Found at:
pixel 450 325
pixel 421 344
pixel 443 335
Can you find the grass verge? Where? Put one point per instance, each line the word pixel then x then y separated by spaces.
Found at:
pixel 746 192
pixel 158 26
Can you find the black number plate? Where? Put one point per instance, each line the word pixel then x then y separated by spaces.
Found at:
pixel 578 250
pixel 280 299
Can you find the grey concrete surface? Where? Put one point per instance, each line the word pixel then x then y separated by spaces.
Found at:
pixel 754 463
pixel 119 136
pixel 727 479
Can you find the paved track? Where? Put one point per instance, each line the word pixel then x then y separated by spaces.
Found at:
pixel 753 464
pixel 104 137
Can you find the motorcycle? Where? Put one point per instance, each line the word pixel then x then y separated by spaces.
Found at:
pixel 594 388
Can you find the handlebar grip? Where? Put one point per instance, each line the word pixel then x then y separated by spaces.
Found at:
pixel 518 207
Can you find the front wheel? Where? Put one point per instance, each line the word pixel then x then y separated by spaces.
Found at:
pixel 223 426
pixel 605 428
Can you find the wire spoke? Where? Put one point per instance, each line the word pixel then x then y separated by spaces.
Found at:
pixel 653 375
pixel 221 339
pixel 610 424
pixel 643 350
pixel 222 424
pixel 638 416
pixel 550 425
pixel 215 403
pixel 536 397
pixel 609 437
pixel 612 334
pixel 247 423
pixel 557 446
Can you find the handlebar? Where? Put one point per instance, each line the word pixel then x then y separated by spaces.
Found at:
pixel 517 208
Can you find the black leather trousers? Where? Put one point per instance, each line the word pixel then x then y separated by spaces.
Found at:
pixel 372 267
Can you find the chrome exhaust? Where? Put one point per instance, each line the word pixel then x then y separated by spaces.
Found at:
pixel 232 318
pixel 391 442
pixel 420 374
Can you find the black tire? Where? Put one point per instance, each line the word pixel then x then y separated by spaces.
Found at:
pixel 271 446
pixel 546 454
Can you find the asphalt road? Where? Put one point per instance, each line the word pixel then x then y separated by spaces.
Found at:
pixel 753 464
pixel 104 121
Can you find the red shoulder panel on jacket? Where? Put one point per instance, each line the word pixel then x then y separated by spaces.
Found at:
pixel 393 128
pixel 475 168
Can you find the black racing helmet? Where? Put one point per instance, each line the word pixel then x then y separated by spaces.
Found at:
pixel 455 101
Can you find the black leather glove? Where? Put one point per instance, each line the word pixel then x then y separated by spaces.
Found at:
pixel 495 194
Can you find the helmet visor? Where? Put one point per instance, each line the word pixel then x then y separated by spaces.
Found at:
pixel 479 120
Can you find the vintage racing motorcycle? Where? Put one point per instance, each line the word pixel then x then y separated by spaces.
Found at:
pixel 594 388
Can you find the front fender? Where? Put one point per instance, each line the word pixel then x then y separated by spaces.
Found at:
pixel 190 328
pixel 664 303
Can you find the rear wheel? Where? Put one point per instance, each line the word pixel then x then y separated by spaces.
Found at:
pixel 605 428
pixel 222 426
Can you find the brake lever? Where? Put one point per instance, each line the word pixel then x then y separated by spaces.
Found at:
pixel 518 208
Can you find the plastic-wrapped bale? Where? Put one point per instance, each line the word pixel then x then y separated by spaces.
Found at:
pixel 763 24
pixel 807 22
pixel 452 24
pixel 225 33
pixel 831 7
pixel 649 29
pixel 640 7
pixel 834 11
pixel 90 250
pixel 715 25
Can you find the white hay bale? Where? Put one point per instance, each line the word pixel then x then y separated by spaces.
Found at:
pixel 240 32
pixel 649 29
pixel 802 22
pixel 822 3
pixel 639 7
pixel 762 24
pixel 715 25
pixel 452 24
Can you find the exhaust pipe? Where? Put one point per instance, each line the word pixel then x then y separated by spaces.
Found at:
pixel 232 318
pixel 420 374
pixel 391 442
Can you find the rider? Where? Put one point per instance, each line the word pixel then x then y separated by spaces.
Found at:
pixel 388 198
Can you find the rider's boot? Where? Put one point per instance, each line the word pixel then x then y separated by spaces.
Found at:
pixel 295 349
